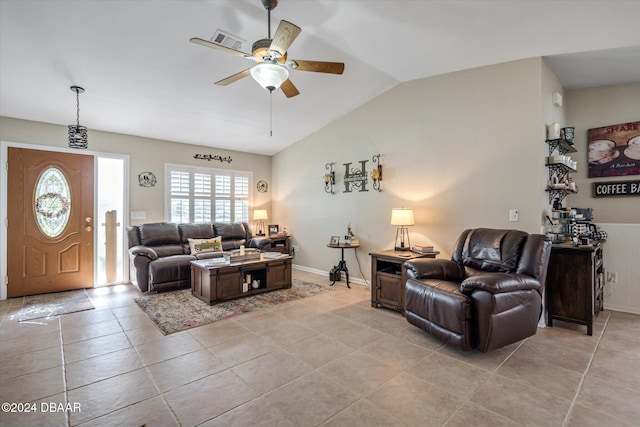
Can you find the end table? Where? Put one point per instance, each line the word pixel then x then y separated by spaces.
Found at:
pixel 281 244
pixel 342 264
pixel 389 275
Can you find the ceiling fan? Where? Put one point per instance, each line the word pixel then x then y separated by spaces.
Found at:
pixel 272 69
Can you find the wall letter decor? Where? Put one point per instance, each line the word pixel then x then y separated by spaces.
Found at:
pixel 355 178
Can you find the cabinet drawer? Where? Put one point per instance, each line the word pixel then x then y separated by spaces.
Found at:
pixel 389 276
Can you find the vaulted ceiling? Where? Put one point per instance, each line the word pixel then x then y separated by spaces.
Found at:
pixel 143 77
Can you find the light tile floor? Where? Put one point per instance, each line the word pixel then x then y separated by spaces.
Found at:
pixel 329 360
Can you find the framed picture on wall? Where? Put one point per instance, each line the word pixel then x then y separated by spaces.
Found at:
pixel 274 229
pixel 614 150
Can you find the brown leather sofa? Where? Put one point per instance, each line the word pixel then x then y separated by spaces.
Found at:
pixel 160 253
pixel 487 296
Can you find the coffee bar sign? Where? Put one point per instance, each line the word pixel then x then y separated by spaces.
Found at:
pixel 616 188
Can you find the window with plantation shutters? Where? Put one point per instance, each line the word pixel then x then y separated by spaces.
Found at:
pixel 206 195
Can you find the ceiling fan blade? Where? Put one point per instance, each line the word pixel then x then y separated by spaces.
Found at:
pixel 233 78
pixel 289 89
pixel 320 66
pixel 207 43
pixel 284 36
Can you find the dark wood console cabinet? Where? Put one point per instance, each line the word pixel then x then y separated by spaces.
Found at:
pixel 575 284
pixel 388 277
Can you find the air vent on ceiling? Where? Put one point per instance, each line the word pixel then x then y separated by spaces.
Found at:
pixel 227 40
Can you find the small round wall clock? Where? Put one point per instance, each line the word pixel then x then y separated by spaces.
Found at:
pixel 147 179
pixel 262 186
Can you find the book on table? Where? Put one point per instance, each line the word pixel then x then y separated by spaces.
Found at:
pixel 422 249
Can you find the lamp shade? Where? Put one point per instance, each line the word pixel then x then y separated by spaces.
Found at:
pixel 269 76
pixel 259 214
pixel 402 217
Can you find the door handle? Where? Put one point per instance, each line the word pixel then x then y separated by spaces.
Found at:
pixel 87 219
pixel 88 228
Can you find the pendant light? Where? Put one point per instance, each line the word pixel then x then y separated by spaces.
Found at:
pixel 78 134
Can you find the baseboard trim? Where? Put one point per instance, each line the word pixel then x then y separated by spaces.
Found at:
pixel 356 280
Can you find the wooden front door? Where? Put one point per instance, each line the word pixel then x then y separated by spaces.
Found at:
pixel 50 221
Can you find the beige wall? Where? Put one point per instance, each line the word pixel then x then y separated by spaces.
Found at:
pixel 145 155
pixel 462 149
pixel 597 107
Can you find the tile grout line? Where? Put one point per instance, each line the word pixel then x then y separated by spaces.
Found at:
pixel 584 374
pixel 67 414
pixel 492 374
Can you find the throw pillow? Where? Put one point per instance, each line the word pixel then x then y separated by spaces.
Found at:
pixel 205 245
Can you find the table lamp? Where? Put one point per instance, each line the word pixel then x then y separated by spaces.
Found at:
pixel 259 215
pixel 401 218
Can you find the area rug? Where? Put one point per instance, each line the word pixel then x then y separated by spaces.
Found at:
pixel 179 310
pixel 54 304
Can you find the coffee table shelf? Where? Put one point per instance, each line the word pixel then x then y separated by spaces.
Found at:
pixel 215 282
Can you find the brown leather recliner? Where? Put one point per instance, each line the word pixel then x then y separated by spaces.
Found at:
pixel 487 296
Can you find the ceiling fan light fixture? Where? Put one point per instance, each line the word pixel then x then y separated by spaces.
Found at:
pixel 269 76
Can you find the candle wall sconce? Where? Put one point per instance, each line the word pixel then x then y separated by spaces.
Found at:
pixel 329 178
pixel 376 173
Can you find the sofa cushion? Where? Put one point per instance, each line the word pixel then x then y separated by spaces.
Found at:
pixel 233 235
pixel 213 244
pixel 159 233
pixel 168 250
pixel 196 231
pixel 169 269
pixel 230 231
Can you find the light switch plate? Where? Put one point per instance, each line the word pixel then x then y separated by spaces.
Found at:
pixel 138 214
pixel 513 215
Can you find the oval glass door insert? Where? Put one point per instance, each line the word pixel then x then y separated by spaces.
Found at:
pixel 52 202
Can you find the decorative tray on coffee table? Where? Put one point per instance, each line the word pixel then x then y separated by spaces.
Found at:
pixel 244 258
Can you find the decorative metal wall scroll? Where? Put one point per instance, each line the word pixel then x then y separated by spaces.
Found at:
pixel 354 178
pixel 329 178
pixel 376 173
pixel 210 157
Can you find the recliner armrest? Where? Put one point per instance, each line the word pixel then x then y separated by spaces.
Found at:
pixel 430 268
pixel 144 251
pixel 260 243
pixel 497 283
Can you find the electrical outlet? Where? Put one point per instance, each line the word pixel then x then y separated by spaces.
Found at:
pixel 296 248
pixel 513 215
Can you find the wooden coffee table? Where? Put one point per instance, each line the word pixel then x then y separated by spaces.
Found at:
pixel 213 282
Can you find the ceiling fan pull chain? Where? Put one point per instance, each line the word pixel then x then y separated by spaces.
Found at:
pixel 270 113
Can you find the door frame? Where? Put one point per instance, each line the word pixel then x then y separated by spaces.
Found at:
pixel 4 146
